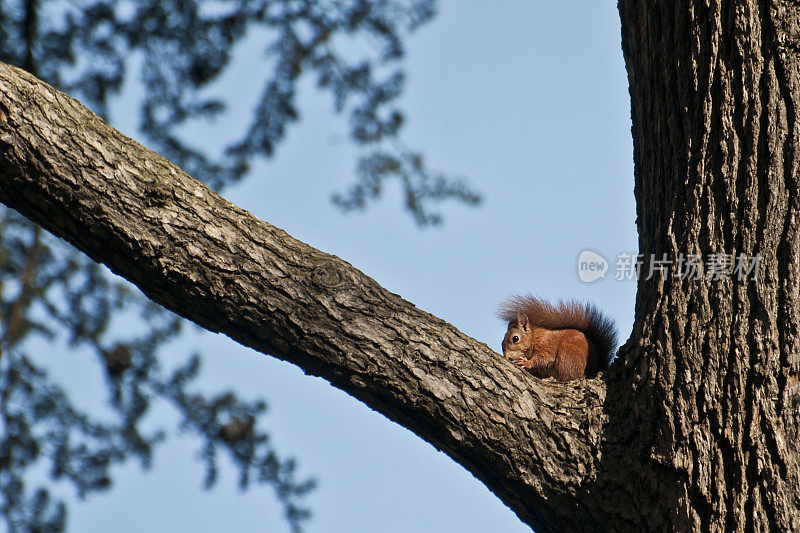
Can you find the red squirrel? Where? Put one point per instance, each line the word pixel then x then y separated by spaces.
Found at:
pixel 570 340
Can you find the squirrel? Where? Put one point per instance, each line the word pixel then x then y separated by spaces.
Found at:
pixel 570 340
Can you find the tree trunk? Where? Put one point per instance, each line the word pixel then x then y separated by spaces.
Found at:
pixel 696 424
pixel 708 399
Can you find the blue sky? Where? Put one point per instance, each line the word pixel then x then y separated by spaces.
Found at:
pixel 527 100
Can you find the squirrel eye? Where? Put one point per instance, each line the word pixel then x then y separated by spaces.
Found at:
pixel 515 338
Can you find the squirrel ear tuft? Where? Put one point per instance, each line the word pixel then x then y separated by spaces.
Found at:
pixel 522 321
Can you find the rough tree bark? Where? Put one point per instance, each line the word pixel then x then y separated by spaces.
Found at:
pixel 696 424
pixel 534 444
pixel 709 400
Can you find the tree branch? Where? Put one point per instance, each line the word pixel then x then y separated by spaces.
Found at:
pixel 536 445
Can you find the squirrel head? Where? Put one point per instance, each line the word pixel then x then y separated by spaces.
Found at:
pixel 518 341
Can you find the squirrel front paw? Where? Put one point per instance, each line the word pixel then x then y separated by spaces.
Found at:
pixel 522 362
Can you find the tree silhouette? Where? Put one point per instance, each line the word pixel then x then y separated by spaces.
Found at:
pixel 51 292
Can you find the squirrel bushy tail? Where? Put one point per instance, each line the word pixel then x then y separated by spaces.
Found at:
pixel 585 317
